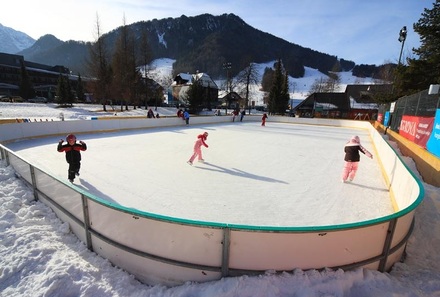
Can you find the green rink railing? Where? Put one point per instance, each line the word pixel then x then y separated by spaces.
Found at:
pixel 164 250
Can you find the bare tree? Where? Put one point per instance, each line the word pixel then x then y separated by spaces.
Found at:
pixel 317 86
pixel 99 67
pixel 385 73
pixel 145 57
pixel 246 78
pixel 334 79
pixel 124 67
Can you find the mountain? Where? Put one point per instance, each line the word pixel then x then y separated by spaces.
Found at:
pixel 206 42
pixel 201 43
pixel 51 51
pixel 13 41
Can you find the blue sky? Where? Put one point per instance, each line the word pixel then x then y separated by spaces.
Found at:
pixel 364 31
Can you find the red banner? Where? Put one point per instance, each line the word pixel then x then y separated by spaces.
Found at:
pixel 380 118
pixel 416 129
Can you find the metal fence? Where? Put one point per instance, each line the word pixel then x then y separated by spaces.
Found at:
pixel 420 104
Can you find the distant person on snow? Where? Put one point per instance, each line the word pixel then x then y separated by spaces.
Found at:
pixel 198 148
pixel 73 154
pixel 234 114
pixel 352 157
pixel 263 119
pixel 242 113
pixel 180 113
pixel 150 114
pixel 186 117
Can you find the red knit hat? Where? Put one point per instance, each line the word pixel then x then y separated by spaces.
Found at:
pixel 70 137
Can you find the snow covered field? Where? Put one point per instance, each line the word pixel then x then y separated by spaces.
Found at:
pixel 40 257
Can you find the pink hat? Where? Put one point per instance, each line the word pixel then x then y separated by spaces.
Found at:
pixel 355 139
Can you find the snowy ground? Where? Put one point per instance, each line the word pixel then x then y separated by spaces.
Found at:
pixel 40 257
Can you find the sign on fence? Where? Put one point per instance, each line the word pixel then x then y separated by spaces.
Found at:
pixel 416 129
pixel 433 144
pixel 386 119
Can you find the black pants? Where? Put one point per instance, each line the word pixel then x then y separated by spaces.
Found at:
pixel 73 169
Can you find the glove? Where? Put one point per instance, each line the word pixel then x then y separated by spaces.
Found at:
pixel 82 142
pixel 61 141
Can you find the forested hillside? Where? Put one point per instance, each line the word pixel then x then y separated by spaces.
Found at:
pixel 201 43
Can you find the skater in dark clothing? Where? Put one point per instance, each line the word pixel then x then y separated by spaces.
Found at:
pixel 242 113
pixel 352 158
pixel 73 154
pixel 150 114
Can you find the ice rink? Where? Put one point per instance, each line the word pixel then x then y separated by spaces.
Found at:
pixel 278 175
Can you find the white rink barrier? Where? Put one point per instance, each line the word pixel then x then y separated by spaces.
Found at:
pixel 164 250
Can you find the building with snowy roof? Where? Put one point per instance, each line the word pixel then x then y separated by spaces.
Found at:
pixel 357 102
pixel 183 81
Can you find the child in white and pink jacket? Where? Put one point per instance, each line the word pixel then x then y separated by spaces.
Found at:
pixel 198 148
pixel 352 158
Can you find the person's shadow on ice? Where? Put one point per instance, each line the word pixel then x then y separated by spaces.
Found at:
pixel 239 173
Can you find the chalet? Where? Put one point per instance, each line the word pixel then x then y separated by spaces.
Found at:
pixel 357 102
pixel 231 100
pixel 183 81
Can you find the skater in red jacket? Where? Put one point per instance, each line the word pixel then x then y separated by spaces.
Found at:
pixel 352 158
pixel 198 148
pixel 263 119
pixel 73 154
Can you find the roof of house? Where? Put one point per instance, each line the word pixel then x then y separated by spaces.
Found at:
pixel 365 93
pixel 325 100
pixel 186 78
pixel 355 96
pixel 229 96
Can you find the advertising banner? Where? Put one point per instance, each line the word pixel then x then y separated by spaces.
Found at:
pixel 433 144
pixel 386 119
pixel 379 117
pixel 416 129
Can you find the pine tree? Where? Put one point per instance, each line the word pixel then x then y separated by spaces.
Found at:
pixel 278 100
pixel 195 95
pixel 26 90
pixel 267 80
pixel 80 88
pixel 69 91
pixel 428 28
pixel 62 91
pixel 425 70
pixel 285 97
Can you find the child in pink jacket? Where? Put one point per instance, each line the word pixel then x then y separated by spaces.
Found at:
pixel 198 148
pixel 352 158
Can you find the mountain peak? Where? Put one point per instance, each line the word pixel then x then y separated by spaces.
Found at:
pixel 48 40
pixel 14 41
